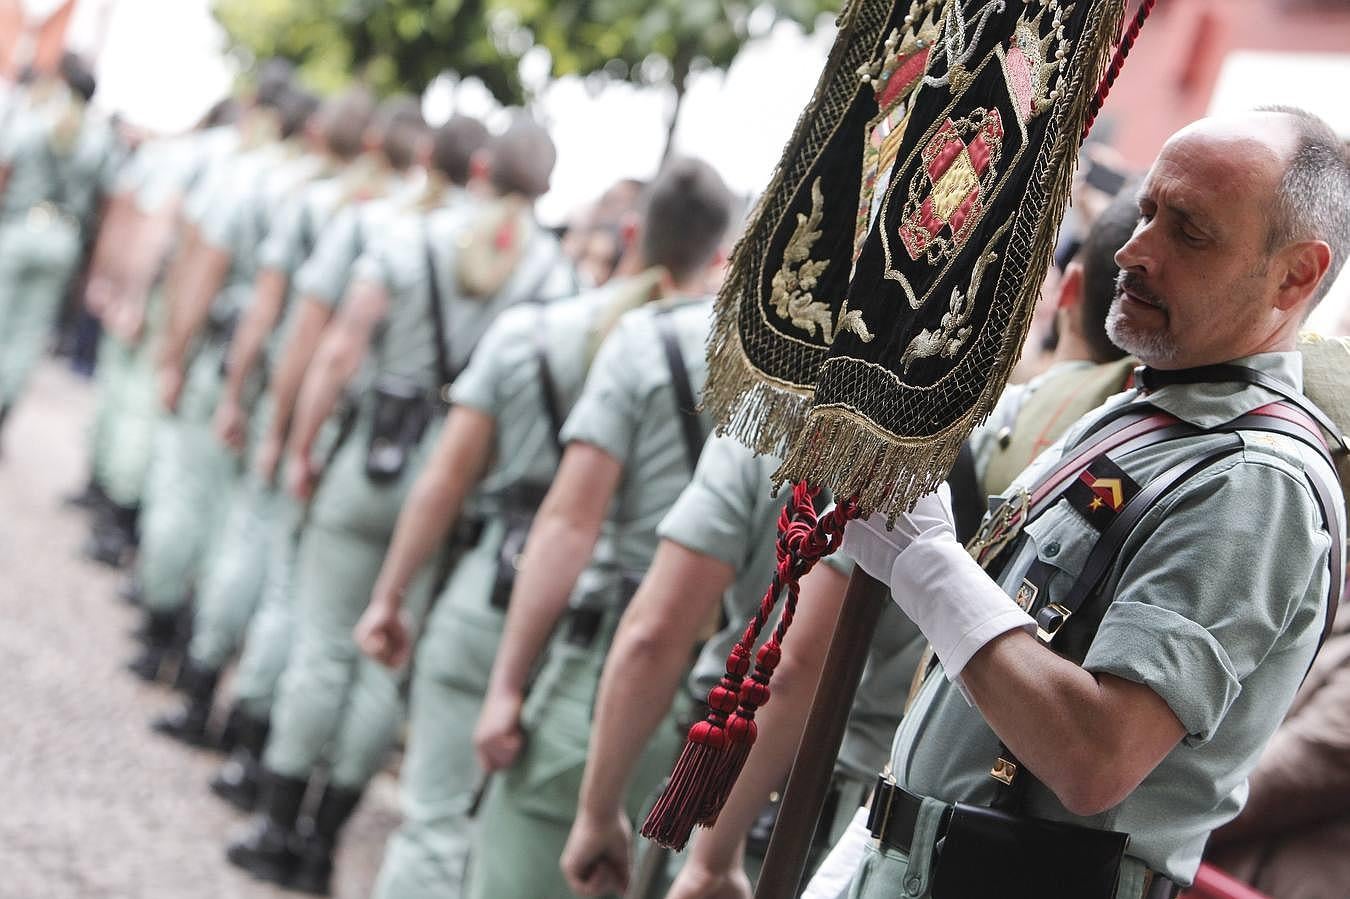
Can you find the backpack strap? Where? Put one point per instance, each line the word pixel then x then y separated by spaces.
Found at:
pixel 443 370
pixel 691 425
pixel 547 386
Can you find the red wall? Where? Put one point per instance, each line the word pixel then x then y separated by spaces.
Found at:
pixel 1171 74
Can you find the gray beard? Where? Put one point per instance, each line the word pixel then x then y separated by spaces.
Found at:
pixel 1149 347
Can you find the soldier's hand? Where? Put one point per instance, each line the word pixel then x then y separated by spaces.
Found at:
pixel 695 881
pixel 126 320
pixel 269 456
pixel 382 634
pixel 170 386
pixel 231 424
pixel 300 476
pixel 595 860
pixel 498 740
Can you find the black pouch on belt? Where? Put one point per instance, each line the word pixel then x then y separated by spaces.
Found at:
pixel 987 852
pixel 402 411
pixel 517 521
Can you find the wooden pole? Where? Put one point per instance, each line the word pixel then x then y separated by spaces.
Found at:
pixel 809 782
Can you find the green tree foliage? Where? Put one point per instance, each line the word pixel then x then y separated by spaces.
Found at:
pixel 396 45
pixel 404 44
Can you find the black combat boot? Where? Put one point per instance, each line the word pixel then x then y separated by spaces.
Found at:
pixel 188 723
pixel 129 591
pixel 112 537
pixel 91 498
pixel 158 636
pixel 237 780
pixel 269 849
pixel 315 868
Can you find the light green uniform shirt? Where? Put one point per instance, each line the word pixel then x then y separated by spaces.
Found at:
pixel 72 177
pixel 629 410
pixel 1209 610
pixel 405 343
pixel 242 216
pixel 503 381
pixel 728 512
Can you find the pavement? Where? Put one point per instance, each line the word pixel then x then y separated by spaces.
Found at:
pixel 92 804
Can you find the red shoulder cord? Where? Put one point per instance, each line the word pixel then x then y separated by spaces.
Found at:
pixel 719 744
pixel 1118 62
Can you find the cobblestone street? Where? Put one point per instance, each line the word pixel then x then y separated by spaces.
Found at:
pixel 91 803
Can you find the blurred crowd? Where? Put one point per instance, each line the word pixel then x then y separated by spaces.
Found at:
pixel 421 471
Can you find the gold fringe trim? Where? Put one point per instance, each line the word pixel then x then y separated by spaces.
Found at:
pixel 843 451
pixel 761 412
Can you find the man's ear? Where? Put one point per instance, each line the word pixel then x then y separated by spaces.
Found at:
pixel 480 168
pixel 1070 294
pixel 1305 264
pixel 630 227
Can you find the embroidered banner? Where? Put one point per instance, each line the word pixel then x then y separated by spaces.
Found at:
pixel 884 286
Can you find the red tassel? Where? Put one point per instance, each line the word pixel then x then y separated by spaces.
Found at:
pixel 680 807
pixel 718 746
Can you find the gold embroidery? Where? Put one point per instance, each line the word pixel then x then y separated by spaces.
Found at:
pixel 953 332
pixel 793 285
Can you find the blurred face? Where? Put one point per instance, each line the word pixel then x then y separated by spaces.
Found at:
pixel 599 253
pixel 1197 285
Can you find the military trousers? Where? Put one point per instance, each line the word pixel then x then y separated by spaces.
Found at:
pixel 124 447
pixel 191 479
pixel 235 578
pixel 426 857
pixel 38 256
pixel 529 809
pixel 333 703
pixel 271 631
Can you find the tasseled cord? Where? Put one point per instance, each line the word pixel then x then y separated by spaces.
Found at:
pixel 1118 62
pixel 719 744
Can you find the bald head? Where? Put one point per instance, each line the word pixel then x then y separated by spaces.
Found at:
pixel 1231 251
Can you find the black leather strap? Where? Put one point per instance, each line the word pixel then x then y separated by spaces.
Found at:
pixel 443 370
pixel 894 815
pixel 547 386
pixel 1327 497
pixel 1051 618
pixel 691 425
pixel 1150 379
pixel 968 499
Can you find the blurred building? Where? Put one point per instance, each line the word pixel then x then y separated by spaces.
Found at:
pixel 1198 56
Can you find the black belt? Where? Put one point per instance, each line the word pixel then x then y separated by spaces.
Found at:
pixel 895 814
pixel 582 626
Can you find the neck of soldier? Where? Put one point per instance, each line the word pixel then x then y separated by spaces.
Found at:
pixel 670 286
pixel 1072 346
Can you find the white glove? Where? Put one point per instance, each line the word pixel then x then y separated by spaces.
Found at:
pixel 832 878
pixel 875 547
pixel 949 597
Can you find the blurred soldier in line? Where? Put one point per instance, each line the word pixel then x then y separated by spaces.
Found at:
pixel 417 308
pixel 496 457
pixel 632 443
pixel 229 590
pixel 57 159
pixel 127 257
pixel 193 472
pixel 125 291
pixel 376 189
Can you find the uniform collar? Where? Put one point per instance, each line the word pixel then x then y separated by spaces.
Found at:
pixel 1209 405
